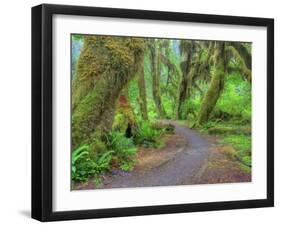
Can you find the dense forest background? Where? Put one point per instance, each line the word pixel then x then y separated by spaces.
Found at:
pixel 124 88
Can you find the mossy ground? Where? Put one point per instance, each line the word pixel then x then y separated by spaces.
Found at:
pixel 239 139
pixel 234 137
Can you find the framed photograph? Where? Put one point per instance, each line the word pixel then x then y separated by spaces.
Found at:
pixel 145 112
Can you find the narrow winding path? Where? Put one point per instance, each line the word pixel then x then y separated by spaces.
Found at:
pixel 181 168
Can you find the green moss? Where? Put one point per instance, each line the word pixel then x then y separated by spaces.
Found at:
pixel 223 130
pixel 240 142
pixel 242 145
pixel 216 86
pixel 105 66
pixel 124 116
pixel 245 168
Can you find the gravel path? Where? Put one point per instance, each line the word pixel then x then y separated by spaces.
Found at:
pixel 182 168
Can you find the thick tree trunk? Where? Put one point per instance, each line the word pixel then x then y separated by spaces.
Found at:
pixel 155 58
pixel 171 68
pixel 105 66
pixel 142 94
pixel 243 57
pixel 244 54
pixel 87 70
pixel 216 86
pixel 187 50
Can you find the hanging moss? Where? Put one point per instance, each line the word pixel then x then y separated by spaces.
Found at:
pixel 142 94
pixel 242 61
pixel 217 83
pixel 244 53
pixel 155 71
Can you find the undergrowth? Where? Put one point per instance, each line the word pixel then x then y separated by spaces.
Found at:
pixel 118 151
pixel 148 135
pixel 235 134
pixel 242 145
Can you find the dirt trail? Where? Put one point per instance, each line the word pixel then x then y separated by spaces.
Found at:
pixel 181 167
pixel 187 158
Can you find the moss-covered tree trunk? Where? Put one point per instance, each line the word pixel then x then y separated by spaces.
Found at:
pixel 105 66
pixel 216 86
pixel 155 61
pixel 244 53
pixel 243 56
pixel 125 118
pixel 142 94
pixel 187 48
pixel 165 58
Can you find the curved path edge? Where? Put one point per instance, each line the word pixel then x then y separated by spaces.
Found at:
pixel 181 169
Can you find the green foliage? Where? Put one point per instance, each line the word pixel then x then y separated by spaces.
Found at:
pixel 123 147
pixel 120 122
pixel 148 136
pixel 208 125
pixel 245 168
pixel 242 144
pixel 123 117
pixel 116 148
pixel 85 166
pixel 169 106
pixel 133 93
pixel 104 67
pixel 77 158
pixel 236 93
pixel 239 142
pixel 190 107
pixel 236 134
pixel 220 127
pixel 77 37
pixel 79 153
pixel 127 166
pixel 102 162
pixel 152 114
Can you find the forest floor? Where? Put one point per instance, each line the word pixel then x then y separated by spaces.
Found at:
pixel 188 157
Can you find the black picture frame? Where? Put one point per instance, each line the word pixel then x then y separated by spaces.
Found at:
pixel 42 85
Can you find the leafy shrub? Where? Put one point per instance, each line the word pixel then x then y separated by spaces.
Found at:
pixel 169 106
pixel 239 142
pixel 102 162
pixel 208 125
pixel 148 136
pixel 80 164
pixel 190 107
pixel 151 109
pixel 237 92
pixel 116 147
pixel 122 148
pixel 84 166
pixel 127 166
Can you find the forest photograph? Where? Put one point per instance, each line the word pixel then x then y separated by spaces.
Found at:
pixel 159 112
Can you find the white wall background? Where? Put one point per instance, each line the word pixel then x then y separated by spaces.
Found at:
pixel 15 104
